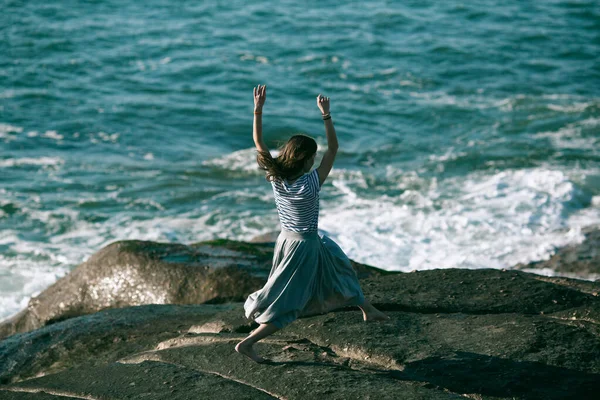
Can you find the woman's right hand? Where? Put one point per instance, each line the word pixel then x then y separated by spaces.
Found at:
pixel 323 104
pixel 260 95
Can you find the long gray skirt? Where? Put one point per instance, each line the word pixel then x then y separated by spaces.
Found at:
pixel 310 275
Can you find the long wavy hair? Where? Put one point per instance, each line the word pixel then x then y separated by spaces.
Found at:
pixel 291 158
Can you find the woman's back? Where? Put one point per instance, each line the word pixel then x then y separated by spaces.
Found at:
pixel 298 202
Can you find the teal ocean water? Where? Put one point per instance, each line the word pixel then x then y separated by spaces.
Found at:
pixel 469 131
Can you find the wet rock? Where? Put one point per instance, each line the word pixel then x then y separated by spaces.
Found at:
pixel 581 259
pixel 99 338
pixel 134 272
pixel 445 339
pixel 129 273
pixel 144 380
pixel 480 291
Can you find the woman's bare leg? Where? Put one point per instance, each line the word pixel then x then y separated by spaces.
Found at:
pixel 370 313
pixel 245 346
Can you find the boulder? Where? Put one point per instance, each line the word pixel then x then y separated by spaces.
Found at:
pixel 582 259
pixel 134 272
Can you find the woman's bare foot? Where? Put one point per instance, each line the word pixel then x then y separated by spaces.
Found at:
pixel 248 351
pixel 370 313
pixel 375 316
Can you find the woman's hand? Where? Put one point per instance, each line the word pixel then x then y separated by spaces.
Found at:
pixel 260 95
pixel 323 104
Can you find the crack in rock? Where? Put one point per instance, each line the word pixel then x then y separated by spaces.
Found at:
pixel 354 353
pixel 153 356
pixel 208 338
pixel 53 392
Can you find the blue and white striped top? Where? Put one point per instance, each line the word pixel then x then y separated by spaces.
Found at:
pixel 298 202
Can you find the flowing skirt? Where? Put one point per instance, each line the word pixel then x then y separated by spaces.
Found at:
pixel 310 275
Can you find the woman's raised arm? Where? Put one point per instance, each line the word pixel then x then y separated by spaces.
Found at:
pixel 260 95
pixel 332 143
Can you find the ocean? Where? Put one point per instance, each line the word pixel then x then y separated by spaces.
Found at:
pixel 469 132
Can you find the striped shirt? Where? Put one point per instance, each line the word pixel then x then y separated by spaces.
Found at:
pixel 298 202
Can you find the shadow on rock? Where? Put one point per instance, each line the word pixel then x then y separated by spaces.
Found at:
pixel 494 376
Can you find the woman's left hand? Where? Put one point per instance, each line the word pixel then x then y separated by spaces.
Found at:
pixel 260 95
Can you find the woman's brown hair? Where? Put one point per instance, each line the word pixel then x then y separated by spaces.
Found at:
pixel 291 158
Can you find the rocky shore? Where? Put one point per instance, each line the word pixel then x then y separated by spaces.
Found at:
pixel 160 320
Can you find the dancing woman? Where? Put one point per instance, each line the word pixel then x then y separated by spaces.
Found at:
pixel 310 273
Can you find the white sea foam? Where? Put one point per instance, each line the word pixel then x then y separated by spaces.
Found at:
pixel 478 101
pixel 590 122
pixel 575 107
pixel 236 161
pixel 482 220
pixel 7 94
pixel 551 272
pixel 450 154
pixel 53 135
pixel 12 162
pixel 560 103
pixel 25 277
pixel 21 280
pixel 571 135
pixel 259 59
pixel 7 128
pixel 107 137
pixel 241 160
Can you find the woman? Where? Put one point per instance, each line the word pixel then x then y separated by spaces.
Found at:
pixel 310 273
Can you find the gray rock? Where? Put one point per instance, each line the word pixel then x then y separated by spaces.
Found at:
pixel 581 259
pixel 134 272
pixel 480 334
pixel 148 380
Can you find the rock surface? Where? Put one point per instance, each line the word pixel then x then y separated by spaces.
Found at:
pixel 453 333
pixel 135 272
pixel 581 259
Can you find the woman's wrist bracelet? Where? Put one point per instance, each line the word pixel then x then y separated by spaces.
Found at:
pixel 260 112
pixel 326 116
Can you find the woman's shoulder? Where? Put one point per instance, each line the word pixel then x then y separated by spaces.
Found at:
pixel 313 178
pixel 309 179
pixel 303 178
pixel 277 182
